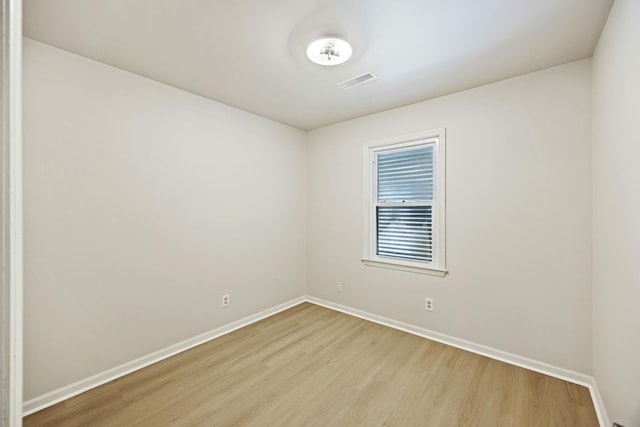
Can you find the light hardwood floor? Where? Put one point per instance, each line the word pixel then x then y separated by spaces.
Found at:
pixel 311 366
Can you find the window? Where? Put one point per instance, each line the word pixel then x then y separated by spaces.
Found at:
pixel 404 203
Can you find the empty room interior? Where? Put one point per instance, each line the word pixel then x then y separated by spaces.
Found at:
pixel 331 213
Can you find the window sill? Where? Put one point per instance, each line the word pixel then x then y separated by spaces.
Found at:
pixel 404 267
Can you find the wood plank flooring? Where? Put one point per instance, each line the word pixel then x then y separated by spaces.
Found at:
pixel 311 366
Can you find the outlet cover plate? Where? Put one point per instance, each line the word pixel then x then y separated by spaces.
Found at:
pixel 428 304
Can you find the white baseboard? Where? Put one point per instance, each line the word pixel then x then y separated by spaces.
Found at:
pixel 503 356
pixel 71 390
pixel 601 410
pixel 63 393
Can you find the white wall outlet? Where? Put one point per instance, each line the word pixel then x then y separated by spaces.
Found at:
pixel 339 286
pixel 428 304
pixel 225 300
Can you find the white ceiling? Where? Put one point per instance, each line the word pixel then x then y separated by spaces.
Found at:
pixel 251 54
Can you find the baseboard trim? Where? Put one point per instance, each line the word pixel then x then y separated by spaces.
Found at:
pixel 503 356
pixel 49 399
pixel 601 410
pixel 493 353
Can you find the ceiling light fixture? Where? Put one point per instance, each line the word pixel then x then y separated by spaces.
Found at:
pixel 329 51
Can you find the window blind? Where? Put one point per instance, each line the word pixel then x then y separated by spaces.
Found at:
pixel 406 175
pixel 405 232
pixel 404 211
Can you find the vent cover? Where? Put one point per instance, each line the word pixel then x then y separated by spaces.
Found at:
pixel 357 81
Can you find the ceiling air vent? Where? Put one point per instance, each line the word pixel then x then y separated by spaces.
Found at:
pixel 357 81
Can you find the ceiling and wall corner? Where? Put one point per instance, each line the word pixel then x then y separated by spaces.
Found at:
pixel 251 54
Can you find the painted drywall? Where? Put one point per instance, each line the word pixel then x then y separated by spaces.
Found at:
pixel 616 212
pixel 143 205
pixel 518 217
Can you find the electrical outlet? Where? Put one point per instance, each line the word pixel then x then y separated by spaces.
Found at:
pixel 225 300
pixel 339 286
pixel 428 304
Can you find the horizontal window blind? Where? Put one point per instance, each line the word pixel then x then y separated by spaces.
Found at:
pixel 405 176
pixel 404 198
pixel 405 232
pixel 405 203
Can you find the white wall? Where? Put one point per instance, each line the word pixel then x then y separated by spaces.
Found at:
pixel 518 217
pixel 144 204
pixel 616 218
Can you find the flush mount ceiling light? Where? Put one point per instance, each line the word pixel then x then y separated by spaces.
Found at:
pixel 329 51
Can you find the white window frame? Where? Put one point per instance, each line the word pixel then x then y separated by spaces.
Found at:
pixel 436 139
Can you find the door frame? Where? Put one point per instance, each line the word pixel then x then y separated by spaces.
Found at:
pixel 11 233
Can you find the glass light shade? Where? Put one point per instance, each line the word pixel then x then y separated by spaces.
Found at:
pixel 329 51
